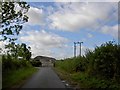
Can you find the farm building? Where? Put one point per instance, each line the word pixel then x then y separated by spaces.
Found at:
pixel 46 61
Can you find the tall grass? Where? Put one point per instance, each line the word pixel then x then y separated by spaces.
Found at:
pixel 9 63
pixel 14 71
pixel 102 65
pixel 71 64
pixel 16 77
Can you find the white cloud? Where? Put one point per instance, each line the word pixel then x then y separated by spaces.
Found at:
pixel 90 35
pixel 2 46
pixel 111 30
pixel 72 0
pixel 75 16
pixel 43 43
pixel 36 16
pixel 64 52
pixel 67 17
pixel 86 0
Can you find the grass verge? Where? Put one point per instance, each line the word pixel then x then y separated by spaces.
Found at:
pixel 16 78
pixel 81 80
pixel 66 76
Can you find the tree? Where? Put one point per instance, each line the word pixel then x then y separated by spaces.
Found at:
pixel 25 51
pixel 19 50
pixel 13 16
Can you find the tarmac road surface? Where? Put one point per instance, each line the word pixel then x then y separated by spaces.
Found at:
pixel 44 78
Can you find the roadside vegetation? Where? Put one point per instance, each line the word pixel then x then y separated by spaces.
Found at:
pixel 15 56
pixel 16 65
pixel 15 78
pixel 99 68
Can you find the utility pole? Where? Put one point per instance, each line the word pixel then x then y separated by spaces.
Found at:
pixel 75 43
pixel 80 46
pixel 74 49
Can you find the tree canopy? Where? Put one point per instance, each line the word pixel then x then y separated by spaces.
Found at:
pixel 19 50
pixel 13 15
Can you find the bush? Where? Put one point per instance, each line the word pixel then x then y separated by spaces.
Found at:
pixel 102 63
pixel 72 64
pixel 9 63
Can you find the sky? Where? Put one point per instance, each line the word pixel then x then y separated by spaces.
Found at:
pixel 53 27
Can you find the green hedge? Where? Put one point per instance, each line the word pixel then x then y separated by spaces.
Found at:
pixel 8 63
pixel 103 63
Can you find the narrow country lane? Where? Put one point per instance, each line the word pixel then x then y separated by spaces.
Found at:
pixel 44 78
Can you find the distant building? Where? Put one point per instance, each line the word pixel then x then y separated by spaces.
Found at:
pixel 20 58
pixel 46 61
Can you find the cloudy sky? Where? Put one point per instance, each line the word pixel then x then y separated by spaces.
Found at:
pixel 54 26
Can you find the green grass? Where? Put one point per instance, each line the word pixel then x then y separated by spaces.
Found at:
pixel 65 76
pixel 88 82
pixel 82 80
pixel 16 77
pixel 99 68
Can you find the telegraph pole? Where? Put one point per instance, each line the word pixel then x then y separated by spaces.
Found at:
pixel 80 47
pixel 74 49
